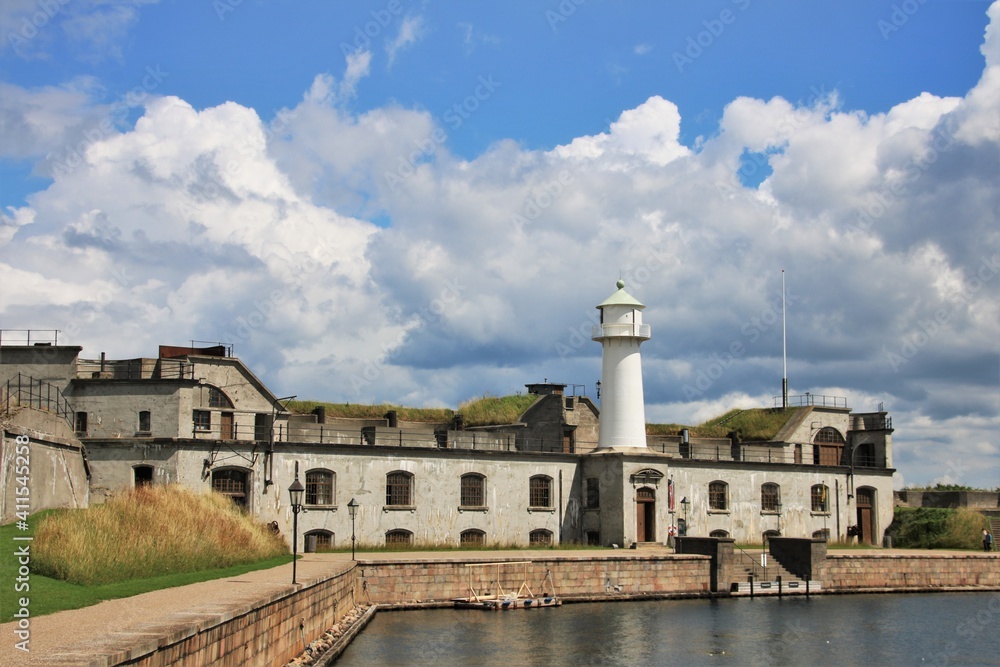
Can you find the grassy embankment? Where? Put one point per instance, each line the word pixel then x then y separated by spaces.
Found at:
pixel 937 528
pixel 759 424
pixel 753 424
pixel 482 411
pixel 146 539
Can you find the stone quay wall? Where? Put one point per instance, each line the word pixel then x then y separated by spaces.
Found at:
pixel 268 632
pixel 847 572
pixel 273 630
pixel 627 575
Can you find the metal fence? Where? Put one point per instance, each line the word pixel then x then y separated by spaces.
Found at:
pixel 134 369
pixel 26 392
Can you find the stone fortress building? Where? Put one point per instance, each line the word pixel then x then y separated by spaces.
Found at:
pixel 565 471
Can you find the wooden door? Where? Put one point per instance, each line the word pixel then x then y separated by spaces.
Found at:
pixel 226 426
pixel 645 515
pixel 865 503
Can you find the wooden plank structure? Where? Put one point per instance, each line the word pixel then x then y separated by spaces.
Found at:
pixel 497 598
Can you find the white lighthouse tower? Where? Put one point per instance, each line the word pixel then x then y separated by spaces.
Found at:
pixel 621 331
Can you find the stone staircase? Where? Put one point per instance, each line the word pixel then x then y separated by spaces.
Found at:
pixel 995 529
pixel 766 578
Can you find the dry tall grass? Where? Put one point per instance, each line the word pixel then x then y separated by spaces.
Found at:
pixel 149 531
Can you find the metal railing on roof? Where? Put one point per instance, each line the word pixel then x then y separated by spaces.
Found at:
pixel 805 400
pixel 24 336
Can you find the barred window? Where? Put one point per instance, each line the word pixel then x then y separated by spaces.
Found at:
pixel 819 498
pixel 718 533
pixel 324 539
pixel 319 487
pixel 473 491
pixel 202 420
pixel 399 489
pixel 80 423
pixel 717 496
pixel 216 399
pixel 540 491
pixel 593 493
pixel 770 497
pixel 233 483
pixel 829 434
pixel 398 537
pixel 472 537
pixel 540 538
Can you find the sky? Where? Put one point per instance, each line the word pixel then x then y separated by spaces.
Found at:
pixel 423 202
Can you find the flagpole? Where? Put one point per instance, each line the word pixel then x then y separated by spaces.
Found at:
pixel 784 348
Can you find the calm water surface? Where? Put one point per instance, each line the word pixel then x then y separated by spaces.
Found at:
pixel 882 630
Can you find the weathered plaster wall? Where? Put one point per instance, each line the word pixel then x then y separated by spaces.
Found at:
pixel 113 407
pixel 55 472
pixel 53 364
pixel 744 519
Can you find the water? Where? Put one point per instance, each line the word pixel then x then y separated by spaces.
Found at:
pixel 882 630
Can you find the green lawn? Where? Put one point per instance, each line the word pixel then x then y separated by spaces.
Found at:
pixel 49 595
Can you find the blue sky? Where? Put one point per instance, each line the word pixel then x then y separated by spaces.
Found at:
pixel 421 202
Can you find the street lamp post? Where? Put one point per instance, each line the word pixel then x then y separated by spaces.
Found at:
pixel 685 503
pixel 295 492
pixel 352 509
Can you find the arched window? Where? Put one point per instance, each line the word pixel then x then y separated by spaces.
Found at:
pixel 540 538
pixel 768 534
pixel 324 539
pixel 719 533
pixel 398 537
pixel 540 491
pixel 473 490
pixel 217 399
pixel 823 534
pixel 232 482
pixel 399 489
pixel 820 501
pixel 472 537
pixel 828 447
pixel 770 497
pixel 320 487
pixel 718 495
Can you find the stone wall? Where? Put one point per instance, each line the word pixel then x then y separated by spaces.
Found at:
pixel 48 470
pixel 627 574
pixel 269 632
pixel 900 572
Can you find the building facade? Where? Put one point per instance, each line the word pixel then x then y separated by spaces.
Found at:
pixel 200 418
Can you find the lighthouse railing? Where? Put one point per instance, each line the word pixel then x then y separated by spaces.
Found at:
pixel 615 329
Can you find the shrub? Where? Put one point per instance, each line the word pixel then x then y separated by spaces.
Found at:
pixel 149 531
pixel 937 528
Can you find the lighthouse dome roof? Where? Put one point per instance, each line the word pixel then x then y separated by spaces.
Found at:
pixel 621 298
